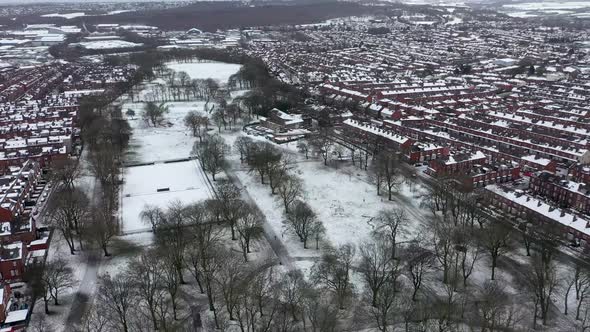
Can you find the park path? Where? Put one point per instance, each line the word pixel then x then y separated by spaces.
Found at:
pixel 271 236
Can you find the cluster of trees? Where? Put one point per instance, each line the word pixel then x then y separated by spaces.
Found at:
pixel 85 220
pixel 76 216
pixel 386 172
pixel 189 239
pixel 276 169
pixel 178 86
pixel 455 245
pixel 463 234
pixel 153 114
pixel 211 154
pixel 266 92
pixel 49 280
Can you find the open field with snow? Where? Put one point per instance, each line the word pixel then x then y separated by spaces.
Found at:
pixel 184 182
pixel 542 8
pixel 173 141
pixel 218 71
pixel 108 44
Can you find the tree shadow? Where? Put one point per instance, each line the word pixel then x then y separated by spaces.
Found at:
pixel 123 247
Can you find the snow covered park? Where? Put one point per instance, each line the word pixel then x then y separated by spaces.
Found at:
pixel 183 181
pixel 342 197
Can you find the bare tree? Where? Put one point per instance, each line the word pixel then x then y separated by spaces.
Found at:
pixel 289 188
pixel 568 283
pixel 444 247
pixel 387 171
pixel 303 147
pixel 384 309
pixel 582 291
pixel 196 123
pixel 211 154
pixel 278 172
pixel 333 272
pixel 263 159
pixel 495 241
pixel 152 215
pixel 494 311
pixel 467 250
pixel 104 165
pixel 65 172
pixel 419 262
pixel 171 279
pixel 145 273
pixel 117 297
pixel 153 114
pixel 377 267
pixel 542 281
pixel 59 277
pixel 231 281
pixel 39 323
pixel 171 235
pixel 291 290
pixel 301 221
pixel 37 279
pixel 322 145
pixel 249 227
pixel 103 226
pixel 244 146
pixel 66 212
pixel 202 236
pixel 389 225
pixel 322 314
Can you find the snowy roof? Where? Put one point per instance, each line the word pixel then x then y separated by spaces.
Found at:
pixel 473 156
pixel 558 215
pixel 376 131
pixel 16 316
pixel 537 160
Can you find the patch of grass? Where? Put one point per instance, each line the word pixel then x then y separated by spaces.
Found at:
pixel 123 247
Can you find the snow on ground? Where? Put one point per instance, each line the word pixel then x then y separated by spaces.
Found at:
pixel 343 198
pixel 108 44
pixel 66 16
pixel 548 5
pixel 56 321
pixel 162 143
pixel 218 71
pixel 454 20
pixel 123 250
pixel 184 180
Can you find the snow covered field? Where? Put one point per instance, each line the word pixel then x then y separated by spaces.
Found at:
pixel 549 5
pixel 184 180
pixel 533 9
pixel 108 44
pixel 162 143
pixel 66 16
pixel 218 71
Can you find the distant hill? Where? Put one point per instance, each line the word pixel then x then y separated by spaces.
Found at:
pixel 210 16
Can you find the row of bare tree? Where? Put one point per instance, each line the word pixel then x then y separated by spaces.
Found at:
pixel 276 168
